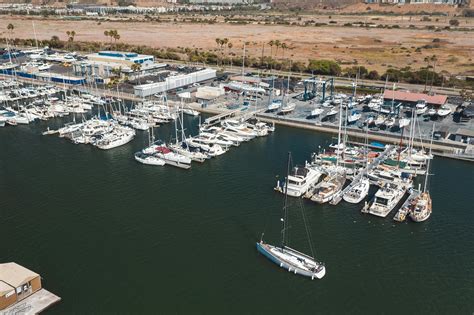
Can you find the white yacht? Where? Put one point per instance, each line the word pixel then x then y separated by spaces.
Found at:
pixel 210 149
pixel 116 138
pixel 444 111
pixel 184 149
pixel 421 107
pixel 172 158
pixel 210 138
pixel 386 198
pixel 148 159
pixel 358 192
pixel 328 188
pixel 300 180
pixel 238 128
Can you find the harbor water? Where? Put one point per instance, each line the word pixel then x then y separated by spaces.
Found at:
pixel 108 234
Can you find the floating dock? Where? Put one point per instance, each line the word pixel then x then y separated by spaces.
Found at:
pixel 338 197
pixel 33 304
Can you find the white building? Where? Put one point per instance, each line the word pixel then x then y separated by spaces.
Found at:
pixel 174 82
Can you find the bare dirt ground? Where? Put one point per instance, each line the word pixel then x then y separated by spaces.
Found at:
pixel 373 47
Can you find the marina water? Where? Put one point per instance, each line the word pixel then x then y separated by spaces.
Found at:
pixel 108 234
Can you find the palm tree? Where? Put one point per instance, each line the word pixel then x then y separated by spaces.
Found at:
pixel 434 59
pixel 271 43
pixel 427 60
pixel 137 67
pixel 10 28
pixel 70 35
pixel 277 44
pixel 116 36
pixel 283 47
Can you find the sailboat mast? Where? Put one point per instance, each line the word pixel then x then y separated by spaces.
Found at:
pixel 285 205
pixel 34 31
pixel 243 64
pixel 429 160
pixel 339 133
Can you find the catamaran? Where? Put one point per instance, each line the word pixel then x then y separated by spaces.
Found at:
pixel 286 257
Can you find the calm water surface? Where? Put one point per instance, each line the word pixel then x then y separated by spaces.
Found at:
pixel 110 235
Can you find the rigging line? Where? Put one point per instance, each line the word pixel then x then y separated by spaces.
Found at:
pixel 308 231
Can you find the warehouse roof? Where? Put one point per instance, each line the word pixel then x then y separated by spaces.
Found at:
pixel 15 275
pixel 407 96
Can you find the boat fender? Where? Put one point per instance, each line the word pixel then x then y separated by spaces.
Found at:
pixel 281 264
pixel 289 269
pixel 295 271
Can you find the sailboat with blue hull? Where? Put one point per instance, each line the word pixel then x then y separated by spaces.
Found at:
pixel 287 257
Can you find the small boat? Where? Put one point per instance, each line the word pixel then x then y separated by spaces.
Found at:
pixel 358 192
pixel 403 122
pixel 389 122
pixel 332 112
pixel 148 159
pixel 369 121
pixel 273 106
pixel 50 132
pixel 444 111
pixel 190 111
pixel 421 107
pixel 379 120
pixel 287 108
pixel 353 117
pixel 316 112
pixel 432 112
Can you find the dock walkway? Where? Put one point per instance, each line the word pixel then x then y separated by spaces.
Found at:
pixel 338 197
pixel 34 304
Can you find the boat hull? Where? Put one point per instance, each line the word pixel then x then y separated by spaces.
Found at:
pixel 265 250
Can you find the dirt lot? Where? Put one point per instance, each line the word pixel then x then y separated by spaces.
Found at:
pixel 374 47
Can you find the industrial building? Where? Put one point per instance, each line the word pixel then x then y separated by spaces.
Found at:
pixel 16 284
pixel 120 57
pixel 106 69
pixel 45 76
pixel 174 82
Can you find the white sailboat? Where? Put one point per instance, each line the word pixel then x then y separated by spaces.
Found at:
pixel 286 257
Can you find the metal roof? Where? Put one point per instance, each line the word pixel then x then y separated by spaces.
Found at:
pixel 15 275
pixel 407 96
